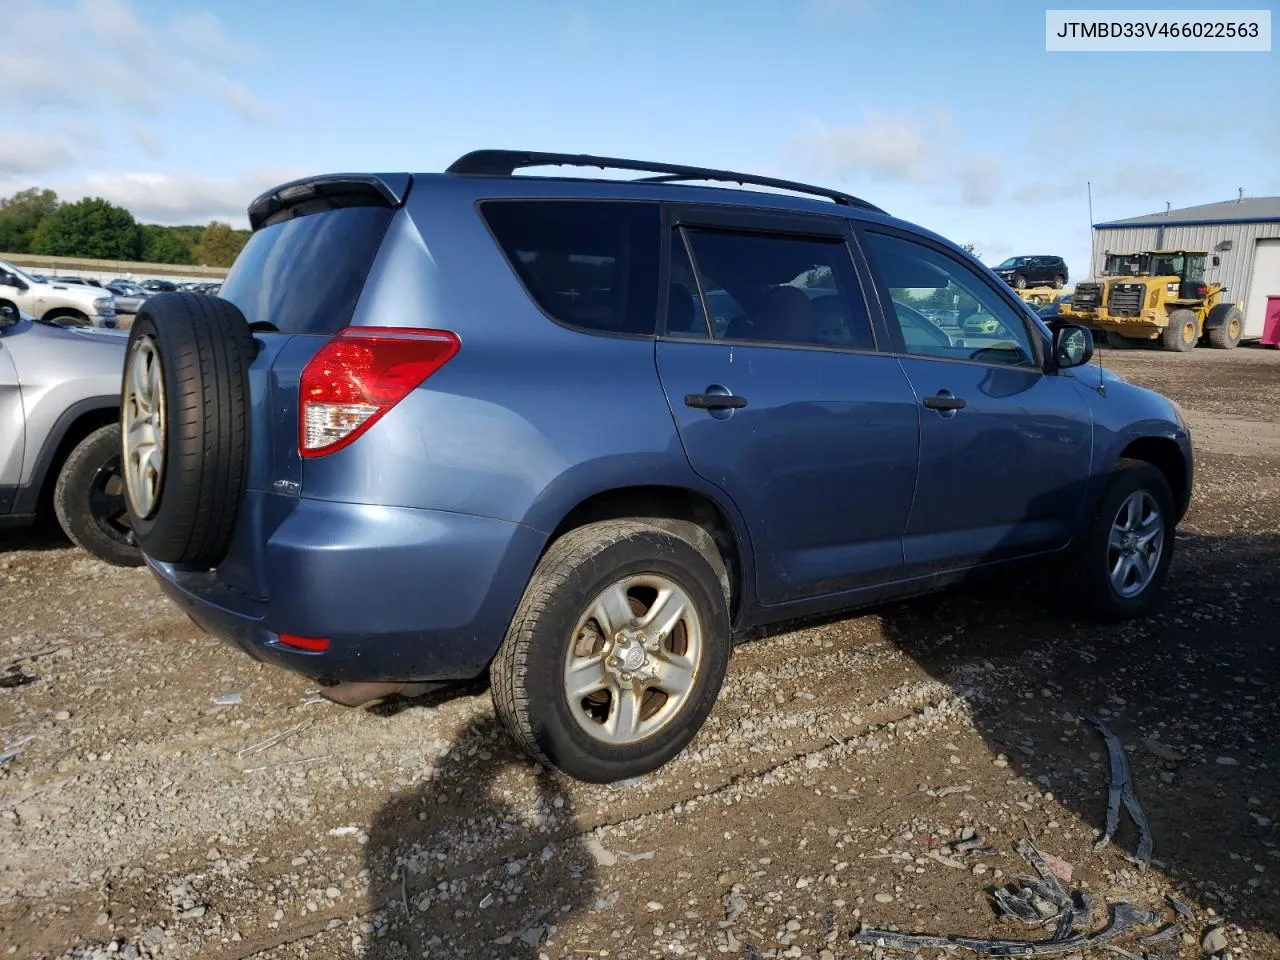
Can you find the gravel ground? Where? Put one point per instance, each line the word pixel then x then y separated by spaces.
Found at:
pixel 844 763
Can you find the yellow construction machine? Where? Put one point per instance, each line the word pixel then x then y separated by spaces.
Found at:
pixel 1156 295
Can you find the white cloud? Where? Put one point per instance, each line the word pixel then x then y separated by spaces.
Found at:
pixel 577 28
pixel 27 152
pixel 151 143
pixel 74 57
pixel 178 198
pixel 202 35
pixel 917 148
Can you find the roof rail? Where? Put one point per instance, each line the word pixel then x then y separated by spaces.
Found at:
pixel 504 163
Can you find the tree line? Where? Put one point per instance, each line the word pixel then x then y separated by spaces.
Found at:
pixel 36 221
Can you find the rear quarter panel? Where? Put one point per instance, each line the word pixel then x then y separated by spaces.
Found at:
pixel 528 419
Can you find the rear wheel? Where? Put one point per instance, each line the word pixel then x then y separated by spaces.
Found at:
pixel 1182 332
pixel 1124 556
pixel 89 499
pixel 1226 326
pixel 1059 282
pixel 618 649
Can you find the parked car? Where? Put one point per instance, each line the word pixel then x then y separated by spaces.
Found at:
pixel 60 432
pixel 1023 272
pixel 80 281
pixel 129 295
pixel 69 304
pixel 471 421
pixel 158 286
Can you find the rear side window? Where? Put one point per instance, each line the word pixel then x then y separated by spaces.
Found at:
pixel 773 288
pixel 305 275
pixel 588 264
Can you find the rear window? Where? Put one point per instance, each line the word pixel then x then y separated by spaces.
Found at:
pixel 305 275
pixel 588 264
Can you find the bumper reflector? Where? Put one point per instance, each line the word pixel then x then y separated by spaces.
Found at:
pixel 309 644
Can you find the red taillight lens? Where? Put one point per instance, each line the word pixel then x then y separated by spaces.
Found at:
pixel 309 644
pixel 358 376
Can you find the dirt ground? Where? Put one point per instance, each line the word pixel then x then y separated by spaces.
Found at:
pixel 141 818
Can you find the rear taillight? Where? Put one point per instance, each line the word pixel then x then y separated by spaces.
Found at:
pixel 358 376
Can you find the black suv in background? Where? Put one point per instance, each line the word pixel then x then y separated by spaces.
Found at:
pixel 1022 272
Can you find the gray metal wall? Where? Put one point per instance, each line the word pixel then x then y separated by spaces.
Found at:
pixel 1235 271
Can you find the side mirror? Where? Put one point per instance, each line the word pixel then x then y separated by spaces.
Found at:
pixel 9 316
pixel 1072 346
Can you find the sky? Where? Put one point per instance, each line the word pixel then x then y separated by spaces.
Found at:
pixel 948 114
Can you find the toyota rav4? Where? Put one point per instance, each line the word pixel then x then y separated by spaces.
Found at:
pixel 583 434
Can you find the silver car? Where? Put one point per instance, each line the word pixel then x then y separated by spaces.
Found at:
pixel 60 431
pixel 129 296
pixel 68 304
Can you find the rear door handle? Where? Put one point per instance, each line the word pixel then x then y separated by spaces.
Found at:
pixel 714 401
pixel 944 401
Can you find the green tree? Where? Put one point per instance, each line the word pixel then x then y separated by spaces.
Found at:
pixel 219 244
pixel 90 228
pixel 166 244
pixel 21 214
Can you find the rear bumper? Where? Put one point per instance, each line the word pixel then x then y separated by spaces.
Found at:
pixel 401 594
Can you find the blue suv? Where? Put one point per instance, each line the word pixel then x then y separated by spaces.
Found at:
pixel 583 433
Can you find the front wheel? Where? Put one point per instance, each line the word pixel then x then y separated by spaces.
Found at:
pixel 618 649
pixel 89 499
pixel 1019 282
pixel 1182 333
pixel 1124 555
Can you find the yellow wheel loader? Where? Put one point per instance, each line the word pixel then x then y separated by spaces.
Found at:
pixel 1157 295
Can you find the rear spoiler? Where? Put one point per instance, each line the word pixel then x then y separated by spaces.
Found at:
pixel 328 192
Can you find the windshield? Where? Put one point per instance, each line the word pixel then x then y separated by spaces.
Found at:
pixel 1015 262
pixel 6 265
pixel 1127 265
pixel 1187 266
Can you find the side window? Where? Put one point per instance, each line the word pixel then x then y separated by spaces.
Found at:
pixel 778 289
pixel 923 281
pixel 587 263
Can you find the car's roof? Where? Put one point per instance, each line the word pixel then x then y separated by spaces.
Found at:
pixel 553 187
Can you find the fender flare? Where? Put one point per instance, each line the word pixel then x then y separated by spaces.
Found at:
pixel 29 495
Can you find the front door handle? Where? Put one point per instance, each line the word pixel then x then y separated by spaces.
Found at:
pixel 945 400
pixel 714 401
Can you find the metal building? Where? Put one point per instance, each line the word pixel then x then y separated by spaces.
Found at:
pixel 1244 234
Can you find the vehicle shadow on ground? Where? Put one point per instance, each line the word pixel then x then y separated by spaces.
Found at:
pixel 1200 676
pixel 470 865
pixel 43 535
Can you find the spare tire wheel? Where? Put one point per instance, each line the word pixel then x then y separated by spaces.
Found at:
pixel 185 425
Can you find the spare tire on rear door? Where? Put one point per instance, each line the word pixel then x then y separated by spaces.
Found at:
pixel 185 424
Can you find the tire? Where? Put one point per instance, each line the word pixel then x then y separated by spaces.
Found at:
pixel 1226 326
pixel 89 499
pixel 528 675
pixel 1059 282
pixel 68 318
pixel 184 510
pixel 1019 282
pixel 8 306
pixel 1182 333
pixel 1092 562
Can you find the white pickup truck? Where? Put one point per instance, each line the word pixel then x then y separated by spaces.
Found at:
pixel 67 304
